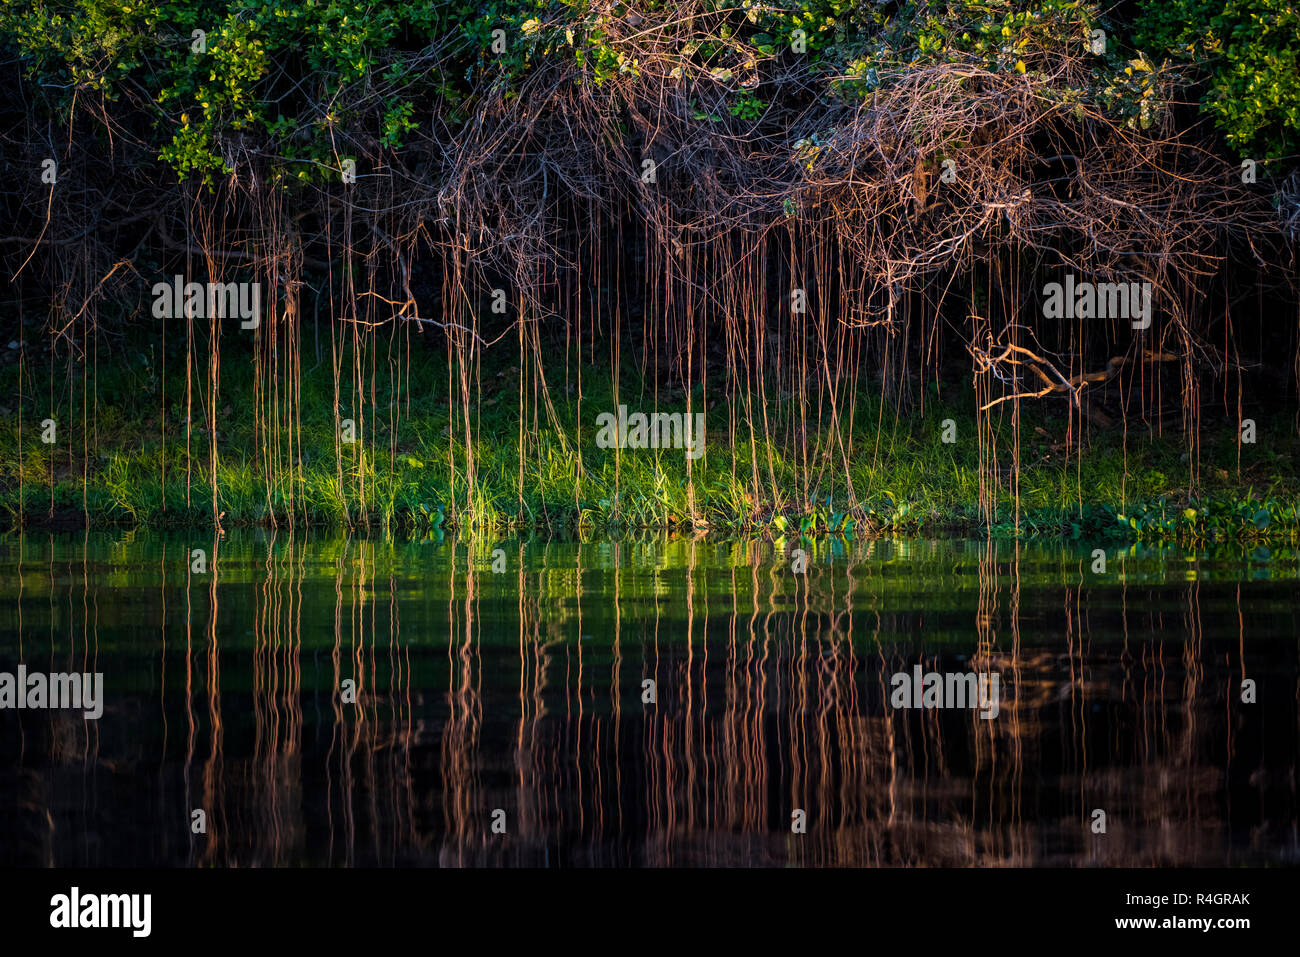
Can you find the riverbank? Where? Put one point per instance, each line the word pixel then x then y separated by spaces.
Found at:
pixel 122 454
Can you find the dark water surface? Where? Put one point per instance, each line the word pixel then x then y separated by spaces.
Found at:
pixel 523 691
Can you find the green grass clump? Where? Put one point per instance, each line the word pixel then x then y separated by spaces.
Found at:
pixel 134 463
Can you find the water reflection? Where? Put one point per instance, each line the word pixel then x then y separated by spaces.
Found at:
pixel 645 701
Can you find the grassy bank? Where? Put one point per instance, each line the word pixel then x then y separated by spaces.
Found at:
pixel 123 454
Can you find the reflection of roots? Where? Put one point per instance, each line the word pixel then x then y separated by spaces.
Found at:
pixel 68 735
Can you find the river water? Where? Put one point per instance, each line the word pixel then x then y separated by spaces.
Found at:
pixel 277 699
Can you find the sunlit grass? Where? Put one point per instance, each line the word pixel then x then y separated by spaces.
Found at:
pixel 900 476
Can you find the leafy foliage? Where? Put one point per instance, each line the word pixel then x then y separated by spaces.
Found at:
pixel 1249 51
pixel 298 74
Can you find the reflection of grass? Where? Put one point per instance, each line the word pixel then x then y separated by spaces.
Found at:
pixel 902 478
